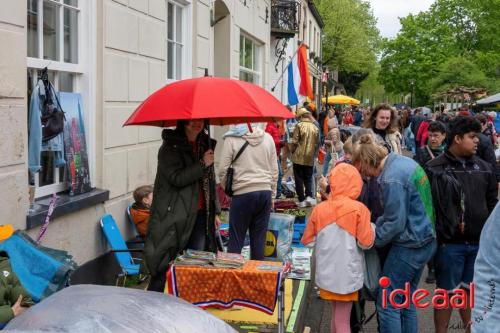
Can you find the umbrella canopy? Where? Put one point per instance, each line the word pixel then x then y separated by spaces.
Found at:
pixel 91 308
pixel 489 100
pixel 341 99
pixel 222 101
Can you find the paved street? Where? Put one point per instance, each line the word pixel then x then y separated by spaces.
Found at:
pixel 319 315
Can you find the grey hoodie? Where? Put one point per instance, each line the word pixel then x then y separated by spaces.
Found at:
pixel 257 167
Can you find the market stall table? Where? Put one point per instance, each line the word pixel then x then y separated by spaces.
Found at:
pixel 257 285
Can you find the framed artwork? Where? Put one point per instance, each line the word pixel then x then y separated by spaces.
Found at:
pixel 75 147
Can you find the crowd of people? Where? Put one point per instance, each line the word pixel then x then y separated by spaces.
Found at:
pixel 426 208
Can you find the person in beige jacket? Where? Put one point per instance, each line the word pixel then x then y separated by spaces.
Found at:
pixel 254 186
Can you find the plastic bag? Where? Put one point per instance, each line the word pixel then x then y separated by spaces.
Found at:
pixel 279 236
pixel 372 272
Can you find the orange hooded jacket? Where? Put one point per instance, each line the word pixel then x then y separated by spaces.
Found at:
pixel 339 226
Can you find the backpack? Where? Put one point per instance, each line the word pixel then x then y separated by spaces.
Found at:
pixel 52 115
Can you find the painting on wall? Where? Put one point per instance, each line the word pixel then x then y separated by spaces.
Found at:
pixel 75 147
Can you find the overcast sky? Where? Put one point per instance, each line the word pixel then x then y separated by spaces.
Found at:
pixel 388 11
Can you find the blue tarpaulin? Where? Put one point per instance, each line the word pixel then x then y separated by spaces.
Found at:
pixel 41 271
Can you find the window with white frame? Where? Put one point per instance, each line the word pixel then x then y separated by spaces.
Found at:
pixel 54 30
pixel 249 60
pixel 176 40
pixel 318 44
pixel 309 39
pixel 315 50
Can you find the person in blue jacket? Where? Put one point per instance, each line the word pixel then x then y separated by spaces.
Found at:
pixel 486 311
pixel 407 224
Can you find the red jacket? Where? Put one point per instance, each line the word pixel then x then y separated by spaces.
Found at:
pixel 423 133
pixel 348 120
pixel 274 131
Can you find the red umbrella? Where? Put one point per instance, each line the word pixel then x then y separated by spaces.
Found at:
pixel 222 101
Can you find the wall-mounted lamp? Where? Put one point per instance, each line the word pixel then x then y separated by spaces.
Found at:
pixel 267 14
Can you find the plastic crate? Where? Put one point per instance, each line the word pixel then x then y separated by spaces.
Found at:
pixel 298 230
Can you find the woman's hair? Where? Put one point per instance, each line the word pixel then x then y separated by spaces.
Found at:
pixel 369 121
pixel 361 132
pixel 348 146
pixel 344 135
pixel 141 192
pixel 437 126
pixel 368 153
pixel 482 119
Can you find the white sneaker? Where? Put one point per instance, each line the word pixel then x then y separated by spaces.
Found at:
pixel 302 204
pixel 310 202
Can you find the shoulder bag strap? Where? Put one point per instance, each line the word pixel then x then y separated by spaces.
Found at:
pixel 430 151
pixel 239 152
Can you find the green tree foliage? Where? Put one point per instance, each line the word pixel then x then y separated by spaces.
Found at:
pixel 450 28
pixel 351 81
pixel 351 39
pixel 373 93
pixel 459 72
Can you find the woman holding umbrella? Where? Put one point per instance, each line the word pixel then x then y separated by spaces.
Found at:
pixel 184 197
pixel 181 215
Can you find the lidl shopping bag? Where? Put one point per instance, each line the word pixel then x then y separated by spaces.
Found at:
pixel 279 236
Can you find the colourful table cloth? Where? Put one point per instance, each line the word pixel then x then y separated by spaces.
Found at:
pixel 249 286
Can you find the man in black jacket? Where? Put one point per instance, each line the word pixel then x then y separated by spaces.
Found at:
pixel 465 192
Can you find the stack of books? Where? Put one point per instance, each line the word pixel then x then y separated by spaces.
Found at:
pixel 195 258
pixel 228 260
pixel 209 259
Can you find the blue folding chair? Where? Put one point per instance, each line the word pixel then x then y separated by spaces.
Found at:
pixel 131 220
pixel 137 241
pixel 119 248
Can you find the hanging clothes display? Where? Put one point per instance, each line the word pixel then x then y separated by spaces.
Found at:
pixel 44 120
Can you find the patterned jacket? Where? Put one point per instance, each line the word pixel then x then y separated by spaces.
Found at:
pixel 306 137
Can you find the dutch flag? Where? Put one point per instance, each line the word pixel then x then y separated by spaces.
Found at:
pixel 299 79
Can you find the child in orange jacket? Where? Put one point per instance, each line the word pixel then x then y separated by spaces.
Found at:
pixel 140 210
pixel 339 227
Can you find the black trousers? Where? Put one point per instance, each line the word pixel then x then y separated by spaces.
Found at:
pixel 303 175
pixel 157 282
pixel 249 212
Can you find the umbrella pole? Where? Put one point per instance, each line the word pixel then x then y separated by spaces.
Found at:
pixel 250 129
pixel 207 124
pixel 211 189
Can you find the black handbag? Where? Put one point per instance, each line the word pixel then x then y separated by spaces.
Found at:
pixel 230 172
pixel 52 115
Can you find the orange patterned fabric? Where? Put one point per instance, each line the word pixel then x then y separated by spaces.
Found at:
pixel 225 288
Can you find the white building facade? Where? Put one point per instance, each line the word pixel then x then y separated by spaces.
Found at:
pixel 295 22
pixel 114 53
